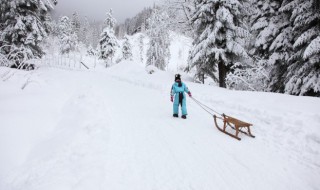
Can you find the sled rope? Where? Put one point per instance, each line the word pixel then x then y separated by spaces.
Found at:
pixel 205 107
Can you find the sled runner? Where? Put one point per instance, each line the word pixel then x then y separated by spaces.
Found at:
pixel 235 124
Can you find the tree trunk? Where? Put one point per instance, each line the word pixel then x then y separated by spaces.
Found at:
pixel 202 78
pixel 222 74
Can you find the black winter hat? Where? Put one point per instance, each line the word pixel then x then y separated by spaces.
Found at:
pixel 177 76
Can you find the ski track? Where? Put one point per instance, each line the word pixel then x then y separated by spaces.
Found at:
pixel 118 133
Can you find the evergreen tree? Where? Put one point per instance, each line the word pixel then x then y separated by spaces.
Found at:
pixel 126 48
pixel 110 21
pixel 275 41
pixel 24 25
pixel 108 42
pixel 55 28
pixel 67 37
pixel 85 30
pixel 158 53
pixel 269 27
pixel 267 22
pixel 141 47
pixel 75 24
pixel 287 39
pixel 220 34
pixel 94 34
pixel 302 76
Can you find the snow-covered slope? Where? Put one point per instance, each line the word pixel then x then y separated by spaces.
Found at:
pixel 113 129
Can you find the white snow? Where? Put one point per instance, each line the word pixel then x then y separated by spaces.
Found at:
pixel 113 129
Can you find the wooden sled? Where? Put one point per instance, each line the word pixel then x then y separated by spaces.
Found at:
pixel 235 124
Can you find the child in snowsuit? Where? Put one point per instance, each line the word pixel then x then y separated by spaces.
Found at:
pixel 178 97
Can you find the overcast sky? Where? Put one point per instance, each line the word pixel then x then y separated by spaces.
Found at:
pixel 97 9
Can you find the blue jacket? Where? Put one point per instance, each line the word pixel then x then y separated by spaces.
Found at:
pixel 176 89
pixel 179 97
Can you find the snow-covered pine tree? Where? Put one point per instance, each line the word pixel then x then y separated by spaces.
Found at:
pixel 266 23
pixel 141 47
pixel 126 48
pixel 220 34
pixel 110 21
pixel 67 37
pixel 158 53
pixel 75 24
pixel 55 28
pixel 302 76
pixel 84 34
pixel 94 34
pixel 272 41
pixel 23 26
pixel 108 41
pixel 285 34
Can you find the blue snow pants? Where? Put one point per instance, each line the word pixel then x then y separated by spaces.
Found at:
pixel 179 98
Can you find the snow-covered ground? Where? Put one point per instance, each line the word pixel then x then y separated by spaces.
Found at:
pixel 113 129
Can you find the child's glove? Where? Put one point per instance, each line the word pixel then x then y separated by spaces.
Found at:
pixel 171 98
pixel 189 93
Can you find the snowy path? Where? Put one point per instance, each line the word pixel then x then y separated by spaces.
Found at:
pixel 115 131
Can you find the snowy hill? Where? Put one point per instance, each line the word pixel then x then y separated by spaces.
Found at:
pixel 113 129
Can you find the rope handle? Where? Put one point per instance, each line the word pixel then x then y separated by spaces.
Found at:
pixel 206 108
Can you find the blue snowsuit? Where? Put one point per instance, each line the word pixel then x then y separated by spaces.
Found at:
pixel 179 97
